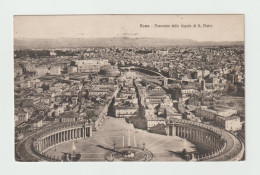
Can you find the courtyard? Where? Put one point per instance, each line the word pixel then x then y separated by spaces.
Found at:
pixel 115 132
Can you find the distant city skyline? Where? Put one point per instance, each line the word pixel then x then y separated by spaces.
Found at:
pixel 224 27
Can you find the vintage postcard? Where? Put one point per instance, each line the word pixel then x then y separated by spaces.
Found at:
pixel 129 88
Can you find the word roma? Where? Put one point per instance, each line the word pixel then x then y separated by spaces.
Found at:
pixel 175 26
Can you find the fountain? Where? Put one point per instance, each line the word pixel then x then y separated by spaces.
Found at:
pixel 129 153
pixel 71 157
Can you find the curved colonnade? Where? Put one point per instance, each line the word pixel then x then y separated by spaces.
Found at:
pixel 225 145
pixel 36 145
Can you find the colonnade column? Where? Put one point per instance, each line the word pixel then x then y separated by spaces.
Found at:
pixel 57 138
pixel 47 143
pixel 50 140
pixel 90 131
pixel 43 141
pixel 40 148
pixel 211 142
pixel 75 133
pixel 214 140
pixel 86 133
pixel 53 140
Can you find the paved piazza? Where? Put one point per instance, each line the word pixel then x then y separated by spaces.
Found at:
pixel 116 130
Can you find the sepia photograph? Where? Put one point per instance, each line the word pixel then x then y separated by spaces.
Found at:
pixel 133 88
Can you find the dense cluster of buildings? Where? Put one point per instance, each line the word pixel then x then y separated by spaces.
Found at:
pixel 69 85
pixel 226 119
pixel 51 96
pixel 156 104
pixel 126 102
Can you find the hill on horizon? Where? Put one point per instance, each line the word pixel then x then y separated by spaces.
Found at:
pixel 114 42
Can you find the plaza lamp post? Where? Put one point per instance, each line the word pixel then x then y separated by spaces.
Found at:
pixel 184 143
pixel 114 144
pixel 33 140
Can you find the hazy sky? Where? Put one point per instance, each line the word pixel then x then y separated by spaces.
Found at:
pixel 223 27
